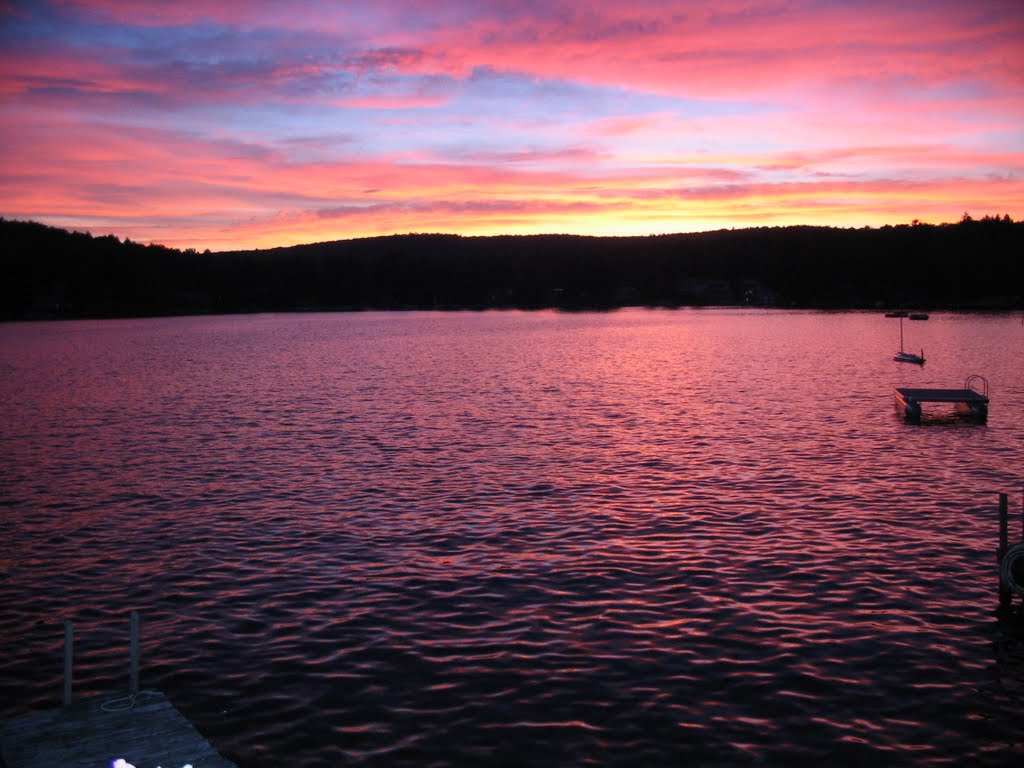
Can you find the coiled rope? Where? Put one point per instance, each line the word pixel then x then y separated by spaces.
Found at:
pixel 1011 570
pixel 132 700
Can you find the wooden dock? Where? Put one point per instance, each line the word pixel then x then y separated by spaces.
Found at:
pixel 967 399
pixel 144 729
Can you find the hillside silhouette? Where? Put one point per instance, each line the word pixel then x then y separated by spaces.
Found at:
pixel 973 264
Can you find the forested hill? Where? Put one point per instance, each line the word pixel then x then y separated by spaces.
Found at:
pixel 974 264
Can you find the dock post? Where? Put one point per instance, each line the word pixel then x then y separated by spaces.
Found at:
pixel 134 653
pixel 69 655
pixel 1005 595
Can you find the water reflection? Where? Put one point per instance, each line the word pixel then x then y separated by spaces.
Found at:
pixel 440 539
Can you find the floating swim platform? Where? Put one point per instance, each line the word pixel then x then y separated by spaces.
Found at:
pixel 967 399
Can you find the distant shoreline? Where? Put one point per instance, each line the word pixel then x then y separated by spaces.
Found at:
pixel 480 310
pixel 971 266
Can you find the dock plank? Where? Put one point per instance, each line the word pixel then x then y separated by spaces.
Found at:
pixel 145 730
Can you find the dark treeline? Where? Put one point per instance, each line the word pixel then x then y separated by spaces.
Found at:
pixel 973 264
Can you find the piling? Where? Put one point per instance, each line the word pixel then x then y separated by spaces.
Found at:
pixel 133 673
pixel 1005 594
pixel 69 660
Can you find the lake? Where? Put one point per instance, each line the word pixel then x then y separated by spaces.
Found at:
pixel 701 537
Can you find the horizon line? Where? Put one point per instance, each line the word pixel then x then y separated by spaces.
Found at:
pixel 966 218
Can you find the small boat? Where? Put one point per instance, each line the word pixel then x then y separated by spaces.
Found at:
pixel 895 314
pixel 918 315
pixel 907 357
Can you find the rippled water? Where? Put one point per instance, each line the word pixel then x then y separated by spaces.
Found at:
pixel 397 539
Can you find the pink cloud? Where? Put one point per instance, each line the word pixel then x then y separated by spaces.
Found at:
pixel 63 69
pixel 764 51
pixel 729 50
pixel 839 113
pixel 174 188
pixel 156 13
pixel 719 49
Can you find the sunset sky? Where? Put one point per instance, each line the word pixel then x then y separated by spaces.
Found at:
pixel 252 124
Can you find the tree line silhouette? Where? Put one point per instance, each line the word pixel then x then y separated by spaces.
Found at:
pixel 972 264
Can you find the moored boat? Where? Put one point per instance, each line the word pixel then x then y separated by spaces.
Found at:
pixel 909 357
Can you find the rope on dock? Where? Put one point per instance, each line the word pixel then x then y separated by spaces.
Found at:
pixel 1011 569
pixel 125 703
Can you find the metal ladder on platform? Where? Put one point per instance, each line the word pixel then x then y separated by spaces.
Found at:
pixel 970 380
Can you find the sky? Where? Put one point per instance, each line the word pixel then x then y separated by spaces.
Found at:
pixel 229 124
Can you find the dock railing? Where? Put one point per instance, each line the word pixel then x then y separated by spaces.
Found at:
pixel 69 657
